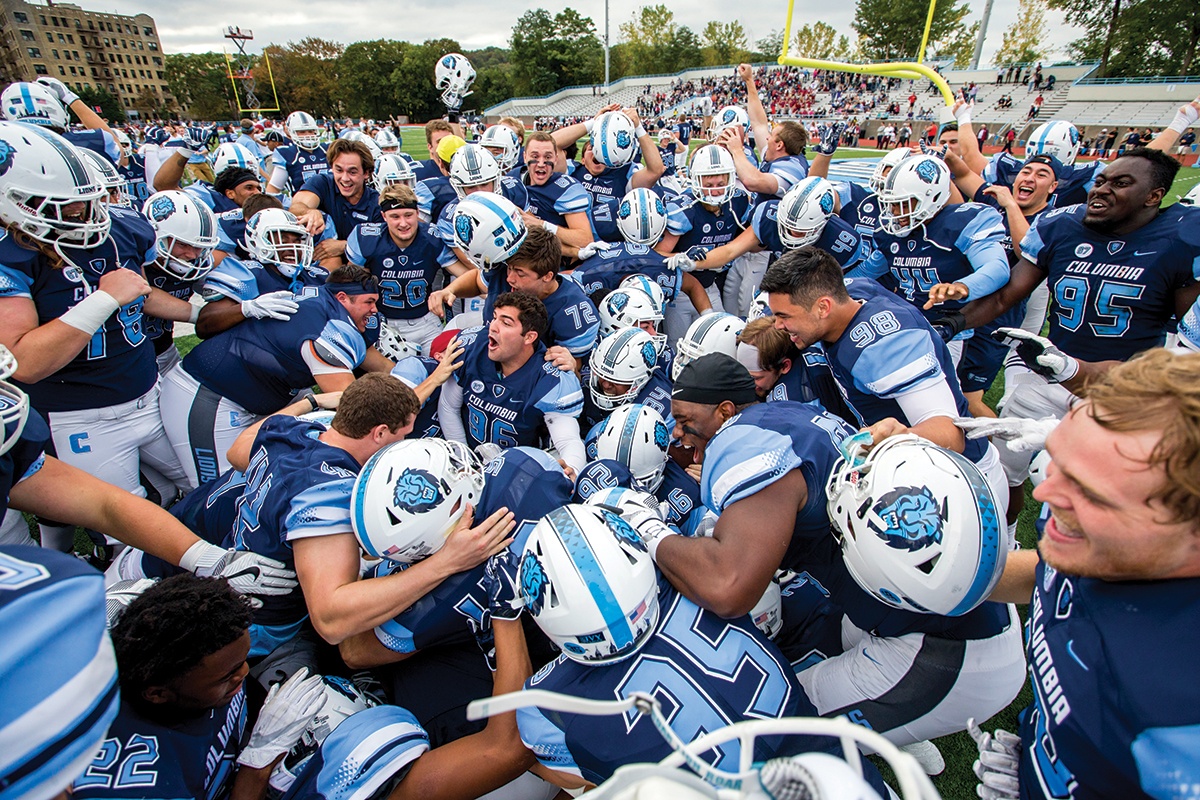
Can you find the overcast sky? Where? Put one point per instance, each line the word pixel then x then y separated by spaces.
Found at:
pixel 192 25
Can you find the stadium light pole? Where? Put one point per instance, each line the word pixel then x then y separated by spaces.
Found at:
pixel 605 46
pixel 987 12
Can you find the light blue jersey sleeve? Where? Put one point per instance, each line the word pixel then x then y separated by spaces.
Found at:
pixel 354 253
pixel 898 363
pixel 745 459
pixel 424 200
pixel 981 241
pixel 875 267
pixel 1032 244
pixel 396 637
pixel 547 742
pixel 340 344
pixel 565 395
pixel 788 172
pixel 574 200
pixel 15 283
pixel 1189 327
pixel 321 510
pixel 232 279
pixel 1168 761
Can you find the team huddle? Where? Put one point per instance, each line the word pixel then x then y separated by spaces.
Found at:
pixel 484 458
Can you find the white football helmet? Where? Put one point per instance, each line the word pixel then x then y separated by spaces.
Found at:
pixel 588 582
pixel 34 104
pixel 14 403
pixel 472 166
pixel 123 140
pixel 488 228
pixel 614 139
pixel 627 358
pixel 624 501
pixel 884 166
pixel 393 345
pixel 177 217
pixel 1057 138
pixel 387 140
pixel 232 154
pixel 390 168
pixel 355 135
pixel 410 495
pixel 454 76
pixel 650 287
pixel 767 614
pixel 729 117
pixel 1037 468
pixel 637 436
pixel 265 243
pixel 919 526
pixel 41 174
pixel 712 161
pixel 303 130
pixel 629 308
pixel 712 333
pixel 804 210
pixel 642 217
pixel 1192 198
pixel 342 700
pixel 920 186
pixel 501 142
pixel 106 174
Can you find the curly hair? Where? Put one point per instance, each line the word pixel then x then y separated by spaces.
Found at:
pixel 1158 391
pixel 172 627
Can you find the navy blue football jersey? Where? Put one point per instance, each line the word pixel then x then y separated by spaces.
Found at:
pixel 344 215
pixel 1114 705
pixel 962 244
pixel 433 195
pixel 574 320
pixel 606 190
pixel 607 268
pixel 561 195
pixel 859 208
pixel 144 758
pixel 296 487
pixel 767 441
pixel 405 273
pixel 210 509
pixel 837 238
pixel 25 457
pixel 425 169
pixel 231 233
pixel 98 141
pixel 695 663
pixel 527 482
pixel 668 156
pixel 242 279
pixel 206 194
pixel 507 410
pixel 656 394
pixel 134 172
pixel 301 164
pixel 259 363
pixel 810 380
pixel 889 349
pixel 699 226
pixel 1112 297
pixel 117 365
pixel 162 331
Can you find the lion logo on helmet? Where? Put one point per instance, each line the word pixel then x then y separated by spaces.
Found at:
pixel 624 210
pixel 649 354
pixel 912 518
pixel 161 208
pixel 464 227
pixel 662 436
pixel 624 531
pixel 928 171
pixel 827 203
pixel 534 583
pixel 6 156
pixel 618 301
pixel 416 491
pixel 624 139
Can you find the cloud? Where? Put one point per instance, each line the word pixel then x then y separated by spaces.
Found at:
pixel 477 24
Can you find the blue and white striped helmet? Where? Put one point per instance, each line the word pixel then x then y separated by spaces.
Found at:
pixel 642 217
pixel 614 139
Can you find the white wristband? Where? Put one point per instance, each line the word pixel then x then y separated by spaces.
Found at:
pixel 1182 120
pixel 963 117
pixel 653 544
pixel 194 315
pixel 640 130
pixel 69 98
pixel 91 312
pixel 589 125
pixel 550 226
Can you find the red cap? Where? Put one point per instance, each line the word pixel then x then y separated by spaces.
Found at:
pixel 439 344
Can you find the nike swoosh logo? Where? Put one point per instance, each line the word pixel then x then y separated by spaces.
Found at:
pixel 1071 652
pixel 1148 253
pixel 867 656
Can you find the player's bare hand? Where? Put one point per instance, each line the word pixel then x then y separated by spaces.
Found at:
pixel 889 426
pixel 313 221
pixel 328 400
pixel 470 545
pixel 439 300
pixel 531 221
pixel 567 469
pixel 694 470
pixel 608 108
pixel 330 248
pixel 731 140
pixel 561 358
pixel 1004 196
pixel 746 73
pixel 633 115
pixel 942 292
pixel 449 362
pixel 124 285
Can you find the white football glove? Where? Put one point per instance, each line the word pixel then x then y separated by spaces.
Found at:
pixel 289 708
pixel 1022 435
pixel 248 573
pixel 681 261
pixel 1039 354
pixel 591 248
pixel 60 89
pixel 998 764
pixel 650 527
pixel 118 597
pixel 273 305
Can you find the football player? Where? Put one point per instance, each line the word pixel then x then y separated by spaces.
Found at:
pixel 559 203
pixel 45 104
pixel 345 194
pixel 294 163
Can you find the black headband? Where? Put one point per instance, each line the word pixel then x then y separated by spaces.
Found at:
pixel 713 379
pixel 390 203
pixel 368 285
